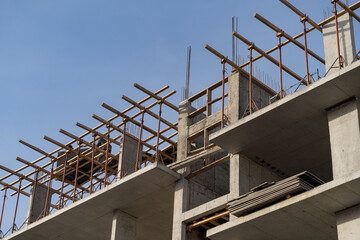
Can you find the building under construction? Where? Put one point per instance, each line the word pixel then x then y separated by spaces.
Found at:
pixel 269 164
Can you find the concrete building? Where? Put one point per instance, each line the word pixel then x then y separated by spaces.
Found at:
pixel 315 129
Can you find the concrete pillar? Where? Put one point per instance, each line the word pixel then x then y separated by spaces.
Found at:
pixel 346 39
pixel 348 222
pixel 233 112
pixel 123 226
pixel 37 202
pixel 183 123
pixel 181 202
pixel 344 138
pixel 127 165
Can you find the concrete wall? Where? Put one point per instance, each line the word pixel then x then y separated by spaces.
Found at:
pixel 128 158
pixel 346 40
pixel 37 202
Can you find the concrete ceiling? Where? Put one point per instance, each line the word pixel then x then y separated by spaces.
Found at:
pixel 146 194
pixel 292 134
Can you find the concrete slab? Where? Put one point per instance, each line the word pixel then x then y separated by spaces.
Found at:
pixel 292 134
pixel 310 215
pixel 147 194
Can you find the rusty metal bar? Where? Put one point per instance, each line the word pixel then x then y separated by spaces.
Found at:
pixel 302 15
pixel 61 203
pixel 139 142
pixel 231 63
pixel 92 163
pixel 223 62
pixel 270 58
pixel 3 208
pixel 250 80
pixel 337 34
pixel 291 39
pixel 83 135
pixel 158 131
pixel 347 9
pixel 122 150
pixel 156 96
pixel 149 112
pixel 48 190
pixel 279 35
pixel 16 206
pixel 304 20
pixel 77 169
pixel 107 155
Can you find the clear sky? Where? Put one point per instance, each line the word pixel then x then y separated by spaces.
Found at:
pixel 60 59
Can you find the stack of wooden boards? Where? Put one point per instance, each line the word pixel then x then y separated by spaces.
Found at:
pixel 270 193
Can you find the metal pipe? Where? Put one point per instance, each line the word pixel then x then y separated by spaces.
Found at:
pixel 122 149
pixel 63 181
pixel 3 207
pixel 92 163
pixel 279 35
pixel 139 143
pixel 158 132
pixel 223 61
pixel 107 154
pixel 304 20
pixel 48 190
pixel 250 79
pixel 16 206
pixel 337 33
pixel 77 169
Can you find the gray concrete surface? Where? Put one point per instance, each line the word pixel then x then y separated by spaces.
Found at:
pixel 37 202
pixel 123 226
pixel 147 194
pixel 346 40
pixel 127 166
pixel 348 222
pixel 345 137
pixel 292 134
pixel 309 215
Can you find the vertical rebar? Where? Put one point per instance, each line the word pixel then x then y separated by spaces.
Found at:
pixel 250 79
pixel 48 189
pixel 63 181
pixel 158 131
pixel 3 208
pixel 223 62
pixel 139 142
pixel 279 35
pixel 77 169
pixel 92 163
pixel 16 206
pixel 304 20
pixel 123 149
pixel 107 154
pixel 337 33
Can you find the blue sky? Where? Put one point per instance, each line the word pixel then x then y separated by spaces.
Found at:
pixel 60 59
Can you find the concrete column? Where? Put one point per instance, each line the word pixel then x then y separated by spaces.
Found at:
pixel 37 203
pixel 348 222
pixel 182 144
pixel 346 39
pixel 181 202
pixel 233 112
pixel 123 226
pixel 130 153
pixel 344 138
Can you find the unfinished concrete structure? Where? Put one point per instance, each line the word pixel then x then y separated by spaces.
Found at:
pixel 247 156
